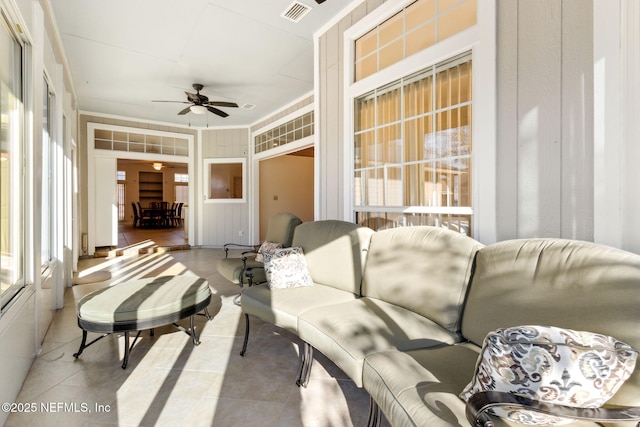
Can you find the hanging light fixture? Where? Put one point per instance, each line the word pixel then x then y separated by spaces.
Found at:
pixel 198 109
pixel 157 166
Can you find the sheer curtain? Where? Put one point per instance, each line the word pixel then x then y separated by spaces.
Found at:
pixel 412 162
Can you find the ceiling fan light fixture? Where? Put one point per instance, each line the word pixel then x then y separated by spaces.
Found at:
pixel 198 109
pixel 157 166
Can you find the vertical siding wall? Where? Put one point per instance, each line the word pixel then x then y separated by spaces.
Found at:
pixel 545 119
pixel 329 120
pixel 222 222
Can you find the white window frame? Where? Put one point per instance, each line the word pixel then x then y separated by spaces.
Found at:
pixel 207 178
pixel 480 39
pixel 23 134
pixel 49 202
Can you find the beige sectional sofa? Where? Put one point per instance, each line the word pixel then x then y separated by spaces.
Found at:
pixel 403 312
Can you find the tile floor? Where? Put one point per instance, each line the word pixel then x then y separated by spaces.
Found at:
pixel 129 235
pixel 171 382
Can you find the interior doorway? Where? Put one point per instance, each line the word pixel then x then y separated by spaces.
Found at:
pixel 286 185
pixel 144 183
pixel 108 143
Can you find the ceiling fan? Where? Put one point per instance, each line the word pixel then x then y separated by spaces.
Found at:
pixel 200 104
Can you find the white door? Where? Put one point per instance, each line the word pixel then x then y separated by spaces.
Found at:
pixel 106 202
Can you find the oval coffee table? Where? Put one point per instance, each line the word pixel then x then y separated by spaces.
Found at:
pixel 142 304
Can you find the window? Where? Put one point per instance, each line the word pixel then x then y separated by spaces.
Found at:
pixel 121 200
pixel 225 180
pixel 416 27
pixel 105 139
pixel 121 176
pixel 181 187
pixel 291 131
pixel 412 150
pixel 181 177
pixel 182 193
pixel 12 210
pixel 48 186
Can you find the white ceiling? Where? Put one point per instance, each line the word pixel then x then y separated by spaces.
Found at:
pixel 125 53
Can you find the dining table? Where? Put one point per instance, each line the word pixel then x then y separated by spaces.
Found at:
pixel 159 217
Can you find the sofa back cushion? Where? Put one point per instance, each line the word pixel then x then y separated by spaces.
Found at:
pixel 335 252
pixel 281 228
pixel 563 283
pixel 423 269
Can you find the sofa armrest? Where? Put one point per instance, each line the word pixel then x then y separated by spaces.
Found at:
pixel 480 402
pixel 245 255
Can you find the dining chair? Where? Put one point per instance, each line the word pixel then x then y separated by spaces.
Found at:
pixel 176 219
pixel 136 216
pixel 140 217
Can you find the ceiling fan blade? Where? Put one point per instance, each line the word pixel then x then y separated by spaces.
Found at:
pixel 185 111
pixel 223 104
pixel 179 102
pixel 193 97
pixel 216 111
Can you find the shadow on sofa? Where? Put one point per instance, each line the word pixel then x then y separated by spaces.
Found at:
pixel 407 320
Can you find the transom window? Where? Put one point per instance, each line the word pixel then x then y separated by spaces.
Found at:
pixel 180 177
pixel 412 150
pixel 421 24
pixel 105 139
pixel 291 131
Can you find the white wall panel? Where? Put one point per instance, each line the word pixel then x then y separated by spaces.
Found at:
pixel 330 148
pixel 577 120
pixel 18 342
pixel 507 148
pixel 631 71
pixel 539 118
pixel 106 202
pixel 224 222
pixel 545 142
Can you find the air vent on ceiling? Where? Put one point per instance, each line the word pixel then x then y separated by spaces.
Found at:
pixel 296 11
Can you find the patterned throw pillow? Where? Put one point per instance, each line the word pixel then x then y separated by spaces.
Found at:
pixel 286 268
pixel 550 364
pixel 267 247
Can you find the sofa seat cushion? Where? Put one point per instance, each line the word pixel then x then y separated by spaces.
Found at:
pixel 349 331
pixel 282 307
pixel 231 269
pixel 421 387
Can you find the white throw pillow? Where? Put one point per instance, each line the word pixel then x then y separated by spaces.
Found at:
pixel 286 268
pixel 550 364
pixel 267 247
